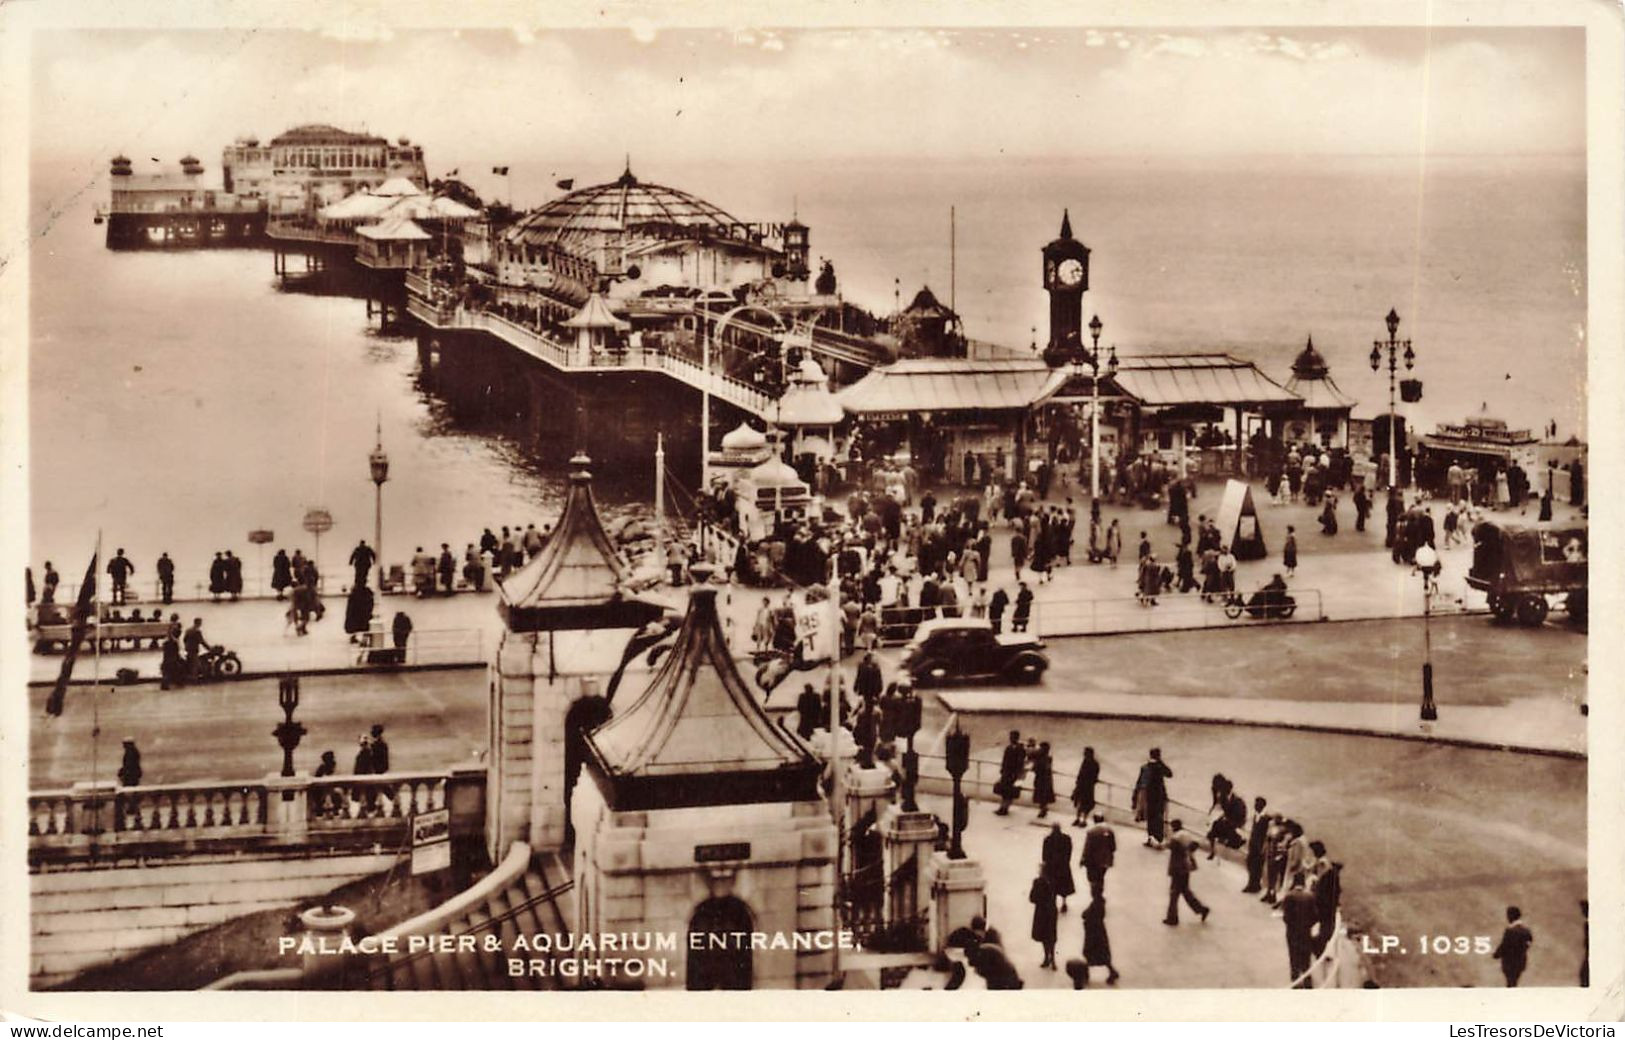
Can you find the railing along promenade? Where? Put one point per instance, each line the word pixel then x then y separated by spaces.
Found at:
pixel 571 358
pixel 113 822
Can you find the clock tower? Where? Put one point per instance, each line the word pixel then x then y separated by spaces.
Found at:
pixel 1066 278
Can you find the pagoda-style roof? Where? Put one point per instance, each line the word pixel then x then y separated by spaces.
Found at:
pixel 926 305
pixel 697 736
pixel 808 400
pixel 575 582
pixel 595 314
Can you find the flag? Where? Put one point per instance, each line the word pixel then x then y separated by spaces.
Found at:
pixel 566 184
pixel 500 171
pixel 80 619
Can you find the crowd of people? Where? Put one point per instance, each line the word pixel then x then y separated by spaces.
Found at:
pixel 1288 870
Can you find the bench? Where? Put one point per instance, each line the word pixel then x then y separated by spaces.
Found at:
pixel 57 637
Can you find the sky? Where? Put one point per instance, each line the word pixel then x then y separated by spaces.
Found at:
pixel 591 96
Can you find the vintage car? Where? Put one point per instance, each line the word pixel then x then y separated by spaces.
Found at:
pixel 946 650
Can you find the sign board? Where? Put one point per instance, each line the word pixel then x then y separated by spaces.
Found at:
pixel 722 853
pixel 260 537
pixel 1238 522
pixel 317 520
pixel 431 841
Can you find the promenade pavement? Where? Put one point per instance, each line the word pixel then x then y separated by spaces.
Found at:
pixel 1346 576
pixel 1242 943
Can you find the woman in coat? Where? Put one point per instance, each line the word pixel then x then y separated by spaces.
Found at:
pixel 1042 897
pixel 1083 789
pixel 1043 779
pixel 1056 855
pixel 1097 945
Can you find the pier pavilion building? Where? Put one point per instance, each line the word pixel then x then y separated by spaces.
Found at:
pixel 631 236
pixel 307 167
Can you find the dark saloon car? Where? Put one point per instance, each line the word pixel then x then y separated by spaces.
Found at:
pixel 946 650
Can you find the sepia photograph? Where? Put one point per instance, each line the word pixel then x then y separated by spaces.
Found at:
pixel 744 503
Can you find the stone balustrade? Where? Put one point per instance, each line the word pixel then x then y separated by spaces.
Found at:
pixel 111 822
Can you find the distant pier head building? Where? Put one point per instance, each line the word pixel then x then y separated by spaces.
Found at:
pixel 174 208
pixel 288 180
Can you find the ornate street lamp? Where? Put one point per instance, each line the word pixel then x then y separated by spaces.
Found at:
pixel 379 463
pixel 958 763
pixel 1094 400
pixel 288 732
pixel 1393 346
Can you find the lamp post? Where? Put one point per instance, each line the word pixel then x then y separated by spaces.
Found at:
pixel 958 747
pixel 1393 346
pixel 1094 401
pixel 379 462
pixel 288 732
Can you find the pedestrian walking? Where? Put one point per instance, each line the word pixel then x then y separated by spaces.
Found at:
pixel 129 770
pixel 531 541
pixel 1513 950
pixel 1299 914
pixel 1083 788
pixel 401 630
pixel 171 671
pixel 810 713
pixel 422 572
pixel 1044 783
pixel 1097 944
pixel 1099 854
pixel 1181 864
pixel 1149 581
pixel 1018 551
pixel 1114 542
pixel 1227 570
pixel 120 568
pixel 362 558
pixel 474 568
pixel 1045 917
pixel 281 572
pixel 166 578
pixel 1056 857
pixel 1012 765
pixel 1024 609
pixel 1151 796
pixel 48 584
pixel 1289 551
pixel 995 609
pixel 358 610
pixel 1362 507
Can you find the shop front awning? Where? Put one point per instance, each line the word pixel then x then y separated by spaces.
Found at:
pixel 919 385
pixel 1168 380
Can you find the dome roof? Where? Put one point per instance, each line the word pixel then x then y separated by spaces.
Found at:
pixel 743 438
pixel 775 473
pixel 625 204
pixel 811 371
pixel 1309 363
pixel 321 133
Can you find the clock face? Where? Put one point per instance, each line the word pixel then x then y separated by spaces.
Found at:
pixel 1069 272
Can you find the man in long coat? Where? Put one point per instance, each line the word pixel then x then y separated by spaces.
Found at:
pixel 1057 859
pixel 1083 788
pixel 1255 846
pixel 1011 766
pixel 1099 853
pixel 1045 917
pixel 1299 912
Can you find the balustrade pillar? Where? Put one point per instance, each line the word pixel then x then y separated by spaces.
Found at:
pixel 287 819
